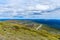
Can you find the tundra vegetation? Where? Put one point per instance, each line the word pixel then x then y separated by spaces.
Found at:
pixel 26 30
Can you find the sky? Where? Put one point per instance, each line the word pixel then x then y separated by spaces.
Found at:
pixel 29 9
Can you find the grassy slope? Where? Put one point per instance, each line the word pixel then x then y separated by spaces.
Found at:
pixel 18 30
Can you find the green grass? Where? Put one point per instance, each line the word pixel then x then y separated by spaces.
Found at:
pixel 17 31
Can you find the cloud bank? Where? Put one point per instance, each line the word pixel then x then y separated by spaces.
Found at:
pixel 26 9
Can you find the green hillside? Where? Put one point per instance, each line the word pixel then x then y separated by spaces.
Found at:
pixel 26 30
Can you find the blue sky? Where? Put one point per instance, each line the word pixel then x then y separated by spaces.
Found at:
pixel 23 9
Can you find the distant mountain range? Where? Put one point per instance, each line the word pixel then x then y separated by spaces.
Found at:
pixel 53 23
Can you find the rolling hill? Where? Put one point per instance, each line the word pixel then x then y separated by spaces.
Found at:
pixel 26 30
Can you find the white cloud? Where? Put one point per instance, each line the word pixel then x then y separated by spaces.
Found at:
pixel 25 5
pixel 42 7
